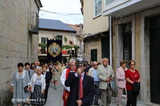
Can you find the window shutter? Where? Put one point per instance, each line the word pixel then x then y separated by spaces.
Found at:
pixel 105 47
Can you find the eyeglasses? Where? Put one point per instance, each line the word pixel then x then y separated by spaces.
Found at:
pixel 132 64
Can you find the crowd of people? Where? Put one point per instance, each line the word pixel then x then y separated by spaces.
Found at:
pixel 100 83
pixel 83 83
pixel 31 82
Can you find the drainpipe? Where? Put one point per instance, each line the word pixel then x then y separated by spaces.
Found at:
pixel 110 39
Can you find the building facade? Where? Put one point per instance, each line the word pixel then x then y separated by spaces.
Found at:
pixel 136 33
pixel 55 29
pixel 18 40
pixel 96 28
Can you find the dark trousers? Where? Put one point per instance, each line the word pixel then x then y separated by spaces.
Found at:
pixel 132 98
pixel 96 91
pixel 46 94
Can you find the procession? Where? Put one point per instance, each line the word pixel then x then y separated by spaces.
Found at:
pixel 79 52
pixel 83 83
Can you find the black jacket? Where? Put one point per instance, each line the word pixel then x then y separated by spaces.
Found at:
pixel 88 90
pixel 48 78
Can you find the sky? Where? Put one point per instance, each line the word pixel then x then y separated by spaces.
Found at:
pixel 62 7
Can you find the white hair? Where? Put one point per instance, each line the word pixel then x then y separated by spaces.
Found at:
pixel 105 58
pixel 39 68
pixel 72 60
pixel 94 62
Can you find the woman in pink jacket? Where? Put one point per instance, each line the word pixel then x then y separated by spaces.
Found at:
pixel 120 75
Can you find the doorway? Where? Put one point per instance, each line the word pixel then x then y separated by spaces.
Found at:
pixel 155 58
pixel 127 42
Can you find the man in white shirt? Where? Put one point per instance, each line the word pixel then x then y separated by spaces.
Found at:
pixel 64 76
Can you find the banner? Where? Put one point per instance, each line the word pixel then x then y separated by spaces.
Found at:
pixel 54 51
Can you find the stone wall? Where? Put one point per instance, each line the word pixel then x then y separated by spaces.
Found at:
pixel 94 44
pixel 16 45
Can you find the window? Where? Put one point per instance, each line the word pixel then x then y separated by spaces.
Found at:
pixel 105 47
pixel 44 41
pixel 127 42
pixel 59 37
pixel 109 1
pixel 97 7
pixel 94 55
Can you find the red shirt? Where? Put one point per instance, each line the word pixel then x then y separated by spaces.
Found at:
pixel 133 76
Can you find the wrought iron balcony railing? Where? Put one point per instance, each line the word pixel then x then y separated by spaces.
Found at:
pixel 34 23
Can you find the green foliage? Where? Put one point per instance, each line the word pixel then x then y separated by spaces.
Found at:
pixel 75 46
pixel 69 46
pixel 42 45
pixel 66 46
pixel 65 39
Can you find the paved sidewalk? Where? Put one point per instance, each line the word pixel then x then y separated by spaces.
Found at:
pixel 55 97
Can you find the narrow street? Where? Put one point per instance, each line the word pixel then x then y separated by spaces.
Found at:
pixel 55 97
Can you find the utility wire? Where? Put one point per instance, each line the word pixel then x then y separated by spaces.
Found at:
pixel 60 13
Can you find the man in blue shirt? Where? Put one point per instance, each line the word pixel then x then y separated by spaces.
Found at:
pixel 93 73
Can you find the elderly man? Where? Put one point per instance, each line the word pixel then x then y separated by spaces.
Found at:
pixel 105 74
pixel 81 86
pixel 93 73
pixel 64 76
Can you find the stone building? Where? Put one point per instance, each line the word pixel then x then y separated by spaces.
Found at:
pixel 96 26
pixel 133 34
pixel 55 29
pixel 18 40
pixel 136 35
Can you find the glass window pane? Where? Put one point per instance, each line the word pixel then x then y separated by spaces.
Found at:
pixel 98 6
pixel 109 1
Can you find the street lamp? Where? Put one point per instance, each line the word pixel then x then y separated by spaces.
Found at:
pixel 73 52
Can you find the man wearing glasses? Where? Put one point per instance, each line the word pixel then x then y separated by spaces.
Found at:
pixel 105 74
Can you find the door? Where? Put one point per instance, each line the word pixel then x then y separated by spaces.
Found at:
pixel 94 55
pixel 155 59
pixel 127 42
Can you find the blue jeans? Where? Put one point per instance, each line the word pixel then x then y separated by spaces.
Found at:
pixel 96 91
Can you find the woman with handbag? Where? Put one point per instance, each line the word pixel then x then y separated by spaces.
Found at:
pixel 132 79
pixel 20 86
pixel 37 85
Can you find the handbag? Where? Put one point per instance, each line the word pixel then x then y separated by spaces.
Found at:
pixel 25 88
pixel 136 87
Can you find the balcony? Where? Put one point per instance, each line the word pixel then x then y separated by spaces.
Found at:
pixel 34 23
pixel 120 8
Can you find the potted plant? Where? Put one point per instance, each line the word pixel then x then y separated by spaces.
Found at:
pixel 65 39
